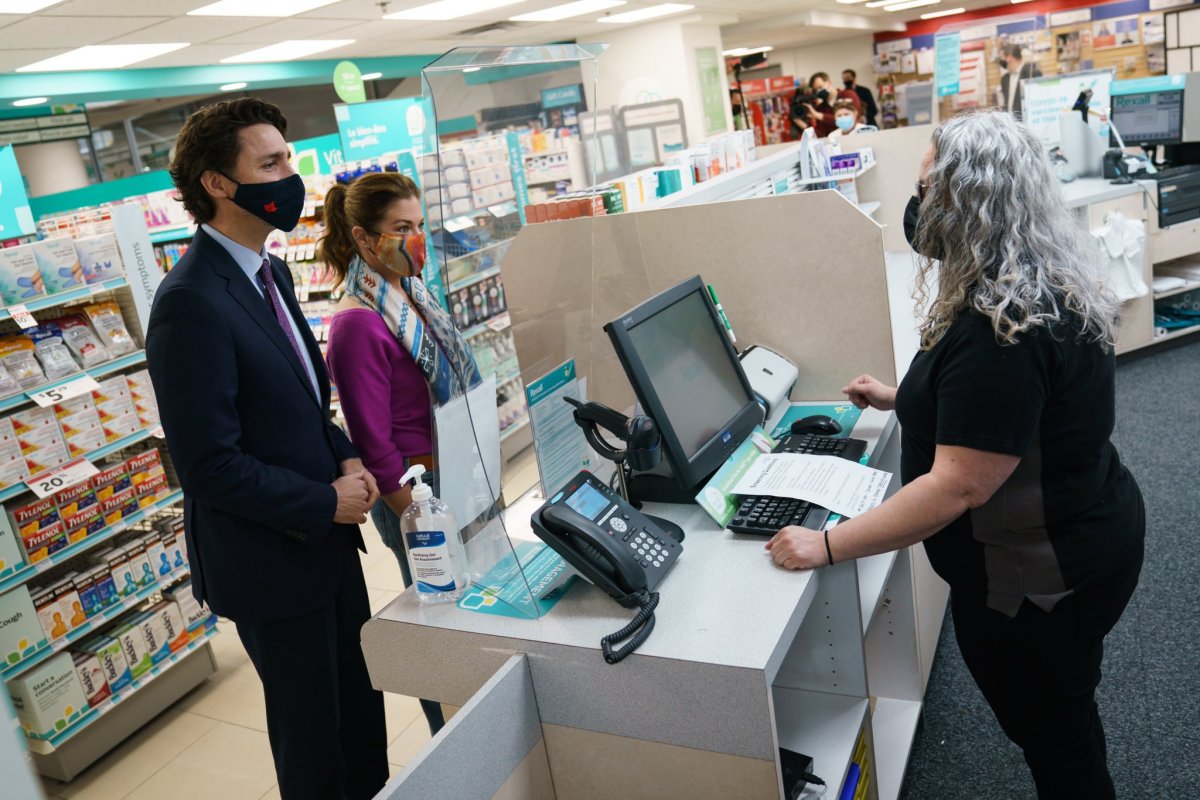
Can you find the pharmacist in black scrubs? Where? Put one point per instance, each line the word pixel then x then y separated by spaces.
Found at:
pixel 1009 476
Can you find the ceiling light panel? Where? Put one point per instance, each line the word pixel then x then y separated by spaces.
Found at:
pixel 287 51
pixel 568 10
pixel 102 56
pixel 66 33
pixel 949 12
pixel 910 4
pixel 258 8
pixel 450 9
pixel 643 14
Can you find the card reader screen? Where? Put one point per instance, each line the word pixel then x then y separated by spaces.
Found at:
pixel 587 500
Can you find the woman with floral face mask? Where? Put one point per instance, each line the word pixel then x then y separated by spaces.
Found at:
pixel 391 346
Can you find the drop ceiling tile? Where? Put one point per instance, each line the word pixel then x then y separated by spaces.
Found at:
pixel 11 59
pixel 67 33
pixel 201 55
pixel 121 8
pixel 387 29
pixel 283 29
pixel 352 9
pixel 195 30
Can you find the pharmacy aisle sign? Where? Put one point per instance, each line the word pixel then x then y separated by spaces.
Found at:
pixel 16 219
pixel 947 51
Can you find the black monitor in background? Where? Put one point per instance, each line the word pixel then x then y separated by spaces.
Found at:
pixel 1148 118
pixel 688 379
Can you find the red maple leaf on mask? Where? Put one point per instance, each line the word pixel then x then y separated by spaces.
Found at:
pixel 270 207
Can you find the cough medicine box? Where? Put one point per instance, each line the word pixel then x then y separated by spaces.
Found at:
pixel 48 698
pixel 20 278
pixel 21 631
pixel 133 647
pixel 59 264
pixel 156 554
pixel 115 562
pixel 99 258
pixel 196 618
pixel 173 625
pixel 112 661
pixel 154 634
pixel 91 678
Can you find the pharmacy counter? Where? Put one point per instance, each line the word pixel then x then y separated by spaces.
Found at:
pixel 745 658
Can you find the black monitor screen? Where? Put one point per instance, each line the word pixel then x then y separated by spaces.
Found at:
pixel 1149 117
pixel 688 364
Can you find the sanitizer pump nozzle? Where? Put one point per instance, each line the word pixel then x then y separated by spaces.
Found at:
pixel 420 492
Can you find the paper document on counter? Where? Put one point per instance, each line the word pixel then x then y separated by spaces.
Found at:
pixel 844 487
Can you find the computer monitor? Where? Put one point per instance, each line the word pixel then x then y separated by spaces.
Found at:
pixel 1148 118
pixel 688 379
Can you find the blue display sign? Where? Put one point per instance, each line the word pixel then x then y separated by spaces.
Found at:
pixel 562 96
pixel 16 218
pixel 947 52
pixel 1158 83
pixel 376 128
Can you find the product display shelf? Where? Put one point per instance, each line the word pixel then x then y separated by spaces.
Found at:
pixel 476 277
pixel 873 574
pixel 497 323
pixel 178 233
pixel 48 746
pixel 93 624
pixel 62 298
pixel 1187 287
pixel 67 553
pixel 849 176
pixel 893 726
pixel 1176 334
pixel 109 449
pixel 98 371
pixel 823 726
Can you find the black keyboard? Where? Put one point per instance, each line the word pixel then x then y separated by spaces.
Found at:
pixel 764 516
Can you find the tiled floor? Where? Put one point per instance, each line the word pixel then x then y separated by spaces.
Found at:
pixel 213 742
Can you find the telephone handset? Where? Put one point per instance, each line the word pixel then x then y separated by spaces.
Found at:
pixel 613 545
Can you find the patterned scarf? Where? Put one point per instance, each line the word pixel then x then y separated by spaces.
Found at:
pixel 435 345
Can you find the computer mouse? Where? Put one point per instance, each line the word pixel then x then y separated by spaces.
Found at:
pixel 818 424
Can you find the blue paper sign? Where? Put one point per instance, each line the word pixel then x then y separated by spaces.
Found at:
pixel 16 219
pixel 379 127
pixel 947 52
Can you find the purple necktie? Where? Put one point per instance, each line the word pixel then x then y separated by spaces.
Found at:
pixel 268 280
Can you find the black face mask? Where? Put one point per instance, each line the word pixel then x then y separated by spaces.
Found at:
pixel 278 203
pixel 912 224
pixel 823 94
pixel 848 84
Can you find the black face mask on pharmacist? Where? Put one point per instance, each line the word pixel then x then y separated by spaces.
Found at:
pixel 278 203
pixel 912 226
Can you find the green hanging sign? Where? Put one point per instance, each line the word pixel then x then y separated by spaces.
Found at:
pixel 348 82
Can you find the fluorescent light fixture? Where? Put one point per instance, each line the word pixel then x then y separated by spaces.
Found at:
pixel 1015 2
pixel 258 8
pixel 233 87
pixel 372 76
pixel 949 12
pixel 738 52
pixel 25 6
pixel 910 4
pixel 30 101
pixel 568 10
pixel 643 14
pixel 471 69
pixel 849 2
pixel 286 51
pixel 449 9
pixel 102 56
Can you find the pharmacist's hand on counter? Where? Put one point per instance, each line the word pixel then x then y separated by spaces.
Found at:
pixel 352 466
pixel 867 392
pixel 353 496
pixel 798 548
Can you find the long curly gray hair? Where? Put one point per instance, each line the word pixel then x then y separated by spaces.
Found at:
pixel 1008 245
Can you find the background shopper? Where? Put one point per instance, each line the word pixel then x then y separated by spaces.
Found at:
pixel 1010 477
pixel 845 116
pixel 375 244
pixel 865 98
pixel 273 490
pixel 1016 70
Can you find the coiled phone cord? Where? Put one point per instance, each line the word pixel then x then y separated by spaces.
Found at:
pixel 639 628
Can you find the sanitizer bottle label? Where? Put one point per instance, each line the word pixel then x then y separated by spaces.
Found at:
pixel 431 560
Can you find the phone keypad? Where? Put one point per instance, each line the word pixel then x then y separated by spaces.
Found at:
pixel 648 549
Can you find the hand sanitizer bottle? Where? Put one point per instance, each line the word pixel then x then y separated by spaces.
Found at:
pixel 435 549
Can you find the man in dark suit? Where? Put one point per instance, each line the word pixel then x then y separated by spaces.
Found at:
pixel 865 98
pixel 274 491
pixel 1010 82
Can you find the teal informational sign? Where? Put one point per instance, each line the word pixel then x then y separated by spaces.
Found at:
pixel 562 96
pixel 947 55
pixel 373 129
pixel 516 163
pixel 505 590
pixel 348 82
pixel 16 218
pixel 1158 83
pixel 320 155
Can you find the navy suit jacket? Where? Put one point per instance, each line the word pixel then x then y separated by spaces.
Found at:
pixel 254 448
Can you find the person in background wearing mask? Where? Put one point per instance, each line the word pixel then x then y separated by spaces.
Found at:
pixel 1016 70
pixel 273 490
pixel 865 98
pixel 375 244
pixel 845 116
pixel 820 111
pixel 1010 476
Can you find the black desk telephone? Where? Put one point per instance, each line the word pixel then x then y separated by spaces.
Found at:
pixel 613 545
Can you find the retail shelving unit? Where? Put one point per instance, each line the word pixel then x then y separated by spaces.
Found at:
pixel 102 728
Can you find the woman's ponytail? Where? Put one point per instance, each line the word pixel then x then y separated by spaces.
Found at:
pixel 337 247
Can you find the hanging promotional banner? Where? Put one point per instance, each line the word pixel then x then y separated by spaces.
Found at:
pixel 16 219
pixel 372 129
pixel 947 55
pixel 348 82
pixel 1047 98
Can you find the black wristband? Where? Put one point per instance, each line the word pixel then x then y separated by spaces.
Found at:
pixel 828 552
